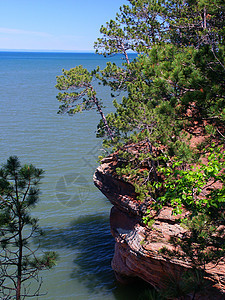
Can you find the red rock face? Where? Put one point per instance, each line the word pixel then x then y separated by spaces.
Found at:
pixel 137 246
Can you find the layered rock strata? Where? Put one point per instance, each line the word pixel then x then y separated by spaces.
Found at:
pixel 138 247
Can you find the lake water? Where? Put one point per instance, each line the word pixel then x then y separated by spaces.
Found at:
pixel 74 214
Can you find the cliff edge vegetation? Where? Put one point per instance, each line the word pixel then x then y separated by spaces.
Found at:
pixel 168 131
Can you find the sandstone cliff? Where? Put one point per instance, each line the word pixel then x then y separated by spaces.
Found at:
pixel 137 248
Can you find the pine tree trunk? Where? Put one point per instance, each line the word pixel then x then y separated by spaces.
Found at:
pixel 19 265
pixel 108 129
pixel 125 54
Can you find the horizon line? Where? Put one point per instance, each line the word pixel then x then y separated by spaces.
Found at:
pixel 54 51
pixel 46 50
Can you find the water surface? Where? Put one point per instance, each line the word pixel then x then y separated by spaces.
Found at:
pixel 74 214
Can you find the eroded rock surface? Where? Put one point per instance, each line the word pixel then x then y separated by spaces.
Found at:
pixel 137 248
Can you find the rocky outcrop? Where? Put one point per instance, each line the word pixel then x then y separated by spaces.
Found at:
pixel 139 249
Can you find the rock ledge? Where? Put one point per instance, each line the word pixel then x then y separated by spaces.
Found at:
pixel 137 246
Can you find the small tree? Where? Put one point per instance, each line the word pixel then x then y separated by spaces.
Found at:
pixel 19 263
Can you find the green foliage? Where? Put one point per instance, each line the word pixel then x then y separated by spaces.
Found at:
pixel 80 79
pixel 174 82
pixel 140 168
pixel 174 93
pixel 175 88
pixel 148 221
pixel 194 187
pixel 19 263
pixel 200 190
pixel 181 285
pixel 136 27
pixel 203 243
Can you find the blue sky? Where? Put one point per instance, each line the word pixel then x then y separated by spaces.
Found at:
pixel 71 25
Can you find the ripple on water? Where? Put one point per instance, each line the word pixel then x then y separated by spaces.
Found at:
pixel 32 130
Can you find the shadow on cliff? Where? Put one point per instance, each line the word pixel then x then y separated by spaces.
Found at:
pixel 90 239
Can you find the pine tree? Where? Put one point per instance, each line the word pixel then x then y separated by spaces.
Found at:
pixel 79 79
pixel 175 92
pixel 19 262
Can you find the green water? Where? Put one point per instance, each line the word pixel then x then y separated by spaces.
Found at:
pixel 74 214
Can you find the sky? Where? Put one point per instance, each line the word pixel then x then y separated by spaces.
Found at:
pixel 58 25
